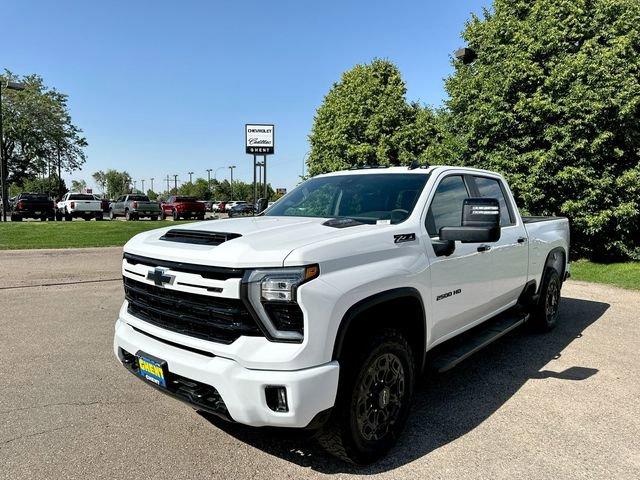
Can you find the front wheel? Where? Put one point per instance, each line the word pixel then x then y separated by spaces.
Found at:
pixel 374 395
pixel 545 314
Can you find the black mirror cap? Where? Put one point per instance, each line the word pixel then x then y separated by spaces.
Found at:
pixel 480 212
pixel 470 234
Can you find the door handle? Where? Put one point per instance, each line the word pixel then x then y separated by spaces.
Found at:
pixel 484 248
pixel 522 239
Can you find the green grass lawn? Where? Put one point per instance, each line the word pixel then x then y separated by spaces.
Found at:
pixel 24 235
pixel 625 275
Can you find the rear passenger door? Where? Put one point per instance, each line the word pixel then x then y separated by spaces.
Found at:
pixel 461 282
pixel 510 254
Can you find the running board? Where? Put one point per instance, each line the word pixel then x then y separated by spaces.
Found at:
pixel 474 340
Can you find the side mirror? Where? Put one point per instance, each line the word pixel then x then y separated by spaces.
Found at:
pixel 261 205
pixel 480 222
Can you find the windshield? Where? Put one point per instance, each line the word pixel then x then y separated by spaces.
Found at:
pixel 366 198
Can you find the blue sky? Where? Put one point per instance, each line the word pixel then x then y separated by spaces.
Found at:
pixel 166 87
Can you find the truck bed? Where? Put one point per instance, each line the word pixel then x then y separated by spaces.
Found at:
pixel 534 219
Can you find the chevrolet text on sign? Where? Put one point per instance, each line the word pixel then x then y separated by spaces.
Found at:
pixel 259 139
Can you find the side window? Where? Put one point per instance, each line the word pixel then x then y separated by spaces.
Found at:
pixel 490 188
pixel 446 207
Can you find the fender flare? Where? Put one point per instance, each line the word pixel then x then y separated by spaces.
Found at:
pixel 376 299
pixel 550 261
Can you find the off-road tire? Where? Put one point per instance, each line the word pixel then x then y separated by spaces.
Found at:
pixel 344 435
pixel 544 316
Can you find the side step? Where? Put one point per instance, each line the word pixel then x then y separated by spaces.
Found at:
pixel 468 343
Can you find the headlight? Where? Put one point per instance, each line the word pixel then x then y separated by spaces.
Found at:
pixel 272 294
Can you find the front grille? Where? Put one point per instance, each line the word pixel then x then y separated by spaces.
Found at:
pixel 220 320
pixel 198 237
pixel 201 395
pixel 215 273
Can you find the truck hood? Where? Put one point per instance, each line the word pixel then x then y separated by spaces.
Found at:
pixel 264 241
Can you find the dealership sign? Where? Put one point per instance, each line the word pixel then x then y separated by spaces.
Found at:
pixel 259 139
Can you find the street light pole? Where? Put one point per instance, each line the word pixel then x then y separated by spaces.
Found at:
pixel 175 183
pixel 190 177
pixel 3 161
pixel 152 184
pixel 231 167
pixel 142 185
pixel 209 170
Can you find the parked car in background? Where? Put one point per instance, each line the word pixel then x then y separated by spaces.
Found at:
pixel 232 203
pixel 79 205
pixel 104 202
pixel 219 206
pixel 241 209
pixel 208 205
pixel 31 205
pixel 181 206
pixel 134 207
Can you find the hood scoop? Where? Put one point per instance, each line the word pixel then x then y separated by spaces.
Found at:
pixel 342 222
pixel 198 237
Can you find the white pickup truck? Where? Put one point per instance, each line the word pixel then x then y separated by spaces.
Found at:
pixel 323 312
pixel 78 205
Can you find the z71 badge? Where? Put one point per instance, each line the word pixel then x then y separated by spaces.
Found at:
pixel 449 294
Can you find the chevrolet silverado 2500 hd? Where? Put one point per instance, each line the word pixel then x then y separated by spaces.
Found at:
pixel 322 312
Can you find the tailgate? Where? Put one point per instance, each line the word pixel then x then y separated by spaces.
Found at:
pixel 86 205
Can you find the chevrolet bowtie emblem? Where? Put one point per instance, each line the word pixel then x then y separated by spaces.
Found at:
pixel 160 277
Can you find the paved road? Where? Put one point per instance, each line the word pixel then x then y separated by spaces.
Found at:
pixel 558 406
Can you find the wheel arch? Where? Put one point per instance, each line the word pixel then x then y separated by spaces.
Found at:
pixel 413 325
pixel 557 259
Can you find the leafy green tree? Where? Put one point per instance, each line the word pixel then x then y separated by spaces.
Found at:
pixel 39 135
pixel 365 120
pixel 116 183
pixel 47 185
pixel 152 195
pixel 553 102
pixel 198 189
pixel 78 185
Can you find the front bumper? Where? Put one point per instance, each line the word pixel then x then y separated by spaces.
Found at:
pixel 310 391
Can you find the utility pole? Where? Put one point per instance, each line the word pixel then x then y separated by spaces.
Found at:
pixel 168 187
pixel 231 167
pixel 142 185
pixel 135 186
pixel 175 183
pixel 152 184
pixel 190 177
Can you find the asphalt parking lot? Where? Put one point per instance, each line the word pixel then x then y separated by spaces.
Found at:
pixel 560 406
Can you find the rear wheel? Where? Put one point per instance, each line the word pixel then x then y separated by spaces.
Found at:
pixel 374 395
pixel 545 314
pixel 127 215
pixel 176 216
pixel 154 218
pixel 201 216
pixel 67 216
pixel 111 215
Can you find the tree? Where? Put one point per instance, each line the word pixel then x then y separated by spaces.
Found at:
pixel 366 120
pixel 553 102
pixel 100 179
pixel 117 183
pixel 152 195
pixel 39 136
pixel 78 185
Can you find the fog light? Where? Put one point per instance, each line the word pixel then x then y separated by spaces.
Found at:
pixel 277 398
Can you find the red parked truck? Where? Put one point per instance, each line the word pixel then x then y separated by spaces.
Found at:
pixel 182 207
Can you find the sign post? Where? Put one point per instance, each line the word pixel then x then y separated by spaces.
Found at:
pixel 259 140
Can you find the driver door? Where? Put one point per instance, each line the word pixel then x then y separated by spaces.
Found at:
pixel 461 283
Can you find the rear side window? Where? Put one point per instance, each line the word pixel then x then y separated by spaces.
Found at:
pixel 139 198
pixel 446 206
pixel 490 188
pixel 185 199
